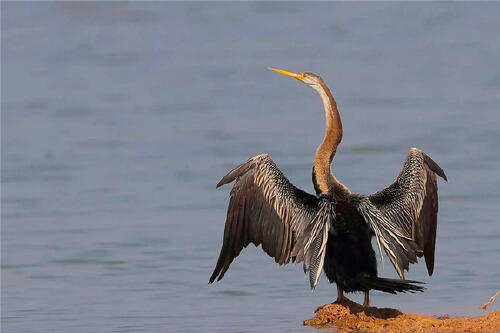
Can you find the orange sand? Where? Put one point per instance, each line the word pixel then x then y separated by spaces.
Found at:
pixel 352 317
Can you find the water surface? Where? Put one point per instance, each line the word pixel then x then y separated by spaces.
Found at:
pixel 118 119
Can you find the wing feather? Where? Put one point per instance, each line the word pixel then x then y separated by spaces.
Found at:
pixel 264 209
pixel 403 216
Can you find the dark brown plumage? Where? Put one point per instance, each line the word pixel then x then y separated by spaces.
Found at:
pixel 265 208
pixel 332 230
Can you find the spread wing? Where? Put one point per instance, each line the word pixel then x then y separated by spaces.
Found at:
pixel 403 216
pixel 265 208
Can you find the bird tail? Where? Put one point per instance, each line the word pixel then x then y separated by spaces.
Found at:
pixel 393 286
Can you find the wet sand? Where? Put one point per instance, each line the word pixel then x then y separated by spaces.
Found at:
pixel 352 317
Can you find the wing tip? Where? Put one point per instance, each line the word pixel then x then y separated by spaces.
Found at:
pixel 430 269
pixel 442 175
pixel 241 169
pixel 231 176
pixel 433 165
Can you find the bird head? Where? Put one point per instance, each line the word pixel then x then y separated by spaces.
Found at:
pixel 311 79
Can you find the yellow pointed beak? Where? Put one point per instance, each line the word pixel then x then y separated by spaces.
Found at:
pixel 298 76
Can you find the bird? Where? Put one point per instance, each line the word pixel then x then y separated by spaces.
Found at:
pixel 331 230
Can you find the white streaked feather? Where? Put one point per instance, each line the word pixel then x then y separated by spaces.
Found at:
pixel 321 255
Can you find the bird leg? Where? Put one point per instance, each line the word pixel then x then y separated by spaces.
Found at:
pixel 366 303
pixel 340 295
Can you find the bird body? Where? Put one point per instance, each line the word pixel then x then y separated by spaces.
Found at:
pixel 349 257
pixel 332 230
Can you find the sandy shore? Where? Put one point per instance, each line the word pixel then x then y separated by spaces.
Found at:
pixel 352 317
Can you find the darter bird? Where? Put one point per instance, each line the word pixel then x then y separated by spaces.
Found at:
pixel 332 230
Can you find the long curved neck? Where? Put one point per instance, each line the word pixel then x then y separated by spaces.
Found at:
pixel 323 179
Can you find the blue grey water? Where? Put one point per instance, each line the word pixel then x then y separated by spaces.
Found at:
pixel 118 119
